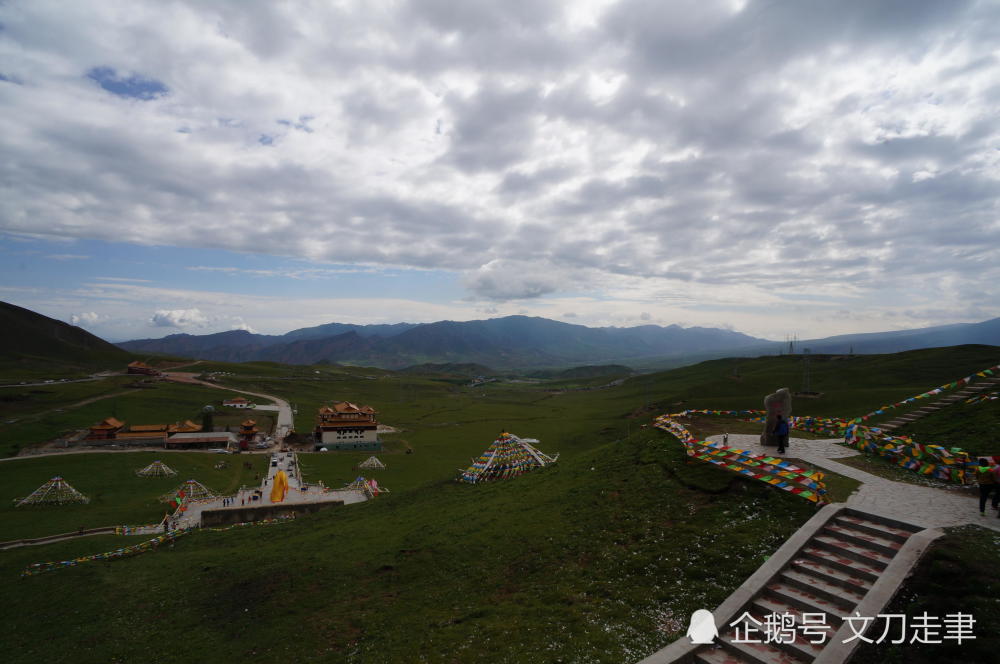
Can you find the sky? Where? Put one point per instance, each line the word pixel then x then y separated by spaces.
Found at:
pixel 773 167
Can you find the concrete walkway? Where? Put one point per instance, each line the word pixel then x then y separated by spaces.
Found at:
pixel 922 505
pixel 298 492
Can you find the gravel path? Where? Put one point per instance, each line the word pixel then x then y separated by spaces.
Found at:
pixel 920 505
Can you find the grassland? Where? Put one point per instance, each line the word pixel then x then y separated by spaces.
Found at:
pixel 599 558
pixel 34 414
pixel 960 574
pixel 975 427
pixel 117 495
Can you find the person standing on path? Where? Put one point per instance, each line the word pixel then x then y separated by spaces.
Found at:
pixel 986 476
pixel 781 433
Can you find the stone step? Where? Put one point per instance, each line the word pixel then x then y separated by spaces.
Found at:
pixel 845 598
pixel 888 531
pixel 761 653
pixel 864 538
pixel 796 645
pixel 851 583
pixel 803 600
pixel 884 522
pixel 869 573
pixel 861 554
pixel 718 655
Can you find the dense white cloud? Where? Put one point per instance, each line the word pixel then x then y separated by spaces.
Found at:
pixel 700 153
pixel 86 319
pixel 240 324
pixel 178 318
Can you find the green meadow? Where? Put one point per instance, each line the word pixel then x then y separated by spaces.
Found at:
pixel 601 557
pixel 38 414
pixel 117 495
pixel 598 558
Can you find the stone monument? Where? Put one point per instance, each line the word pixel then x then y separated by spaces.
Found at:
pixel 776 403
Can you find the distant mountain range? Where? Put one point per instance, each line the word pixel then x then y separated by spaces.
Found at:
pixel 513 342
pixel 522 342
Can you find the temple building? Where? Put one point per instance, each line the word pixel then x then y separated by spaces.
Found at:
pixel 248 433
pixel 345 426
pixel 144 432
pixel 138 434
pixel 106 429
pixel 238 402
pixel 187 426
pixel 138 367
pixel 202 439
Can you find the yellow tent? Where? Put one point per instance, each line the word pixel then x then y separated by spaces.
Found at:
pixel 280 487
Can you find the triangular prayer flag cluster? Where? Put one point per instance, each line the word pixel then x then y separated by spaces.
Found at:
pixel 56 491
pixel 508 456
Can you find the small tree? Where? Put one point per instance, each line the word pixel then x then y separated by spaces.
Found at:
pixel 207 420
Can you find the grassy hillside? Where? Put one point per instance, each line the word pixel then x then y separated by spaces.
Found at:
pixel 974 427
pixel 35 414
pixel 850 385
pixel 599 558
pixel 38 346
pixel 960 574
pixel 118 496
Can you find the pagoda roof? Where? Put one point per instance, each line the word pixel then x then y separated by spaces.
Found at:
pixel 148 427
pixel 342 407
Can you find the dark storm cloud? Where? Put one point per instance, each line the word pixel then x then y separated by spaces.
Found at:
pixel 494 128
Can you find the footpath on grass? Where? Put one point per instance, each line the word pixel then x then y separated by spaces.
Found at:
pixel 922 505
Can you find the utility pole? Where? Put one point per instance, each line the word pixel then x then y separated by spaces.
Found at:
pixel 805 370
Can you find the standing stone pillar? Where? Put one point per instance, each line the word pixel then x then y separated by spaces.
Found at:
pixel 776 403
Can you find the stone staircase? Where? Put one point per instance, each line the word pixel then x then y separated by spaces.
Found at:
pixel 841 562
pixel 988 383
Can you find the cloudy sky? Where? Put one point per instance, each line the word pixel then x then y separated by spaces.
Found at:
pixel 775 167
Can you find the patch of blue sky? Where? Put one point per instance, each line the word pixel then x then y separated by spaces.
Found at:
pixel 45 264
pixel 265 139
pixel 130 87
pixel 302 124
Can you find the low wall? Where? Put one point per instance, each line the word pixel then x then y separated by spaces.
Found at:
pixel 243 514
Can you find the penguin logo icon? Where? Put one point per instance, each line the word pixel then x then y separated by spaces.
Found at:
pixel 702 629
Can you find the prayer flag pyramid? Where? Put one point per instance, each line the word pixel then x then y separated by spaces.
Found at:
pixel 156 469
pixel 190 490
pixel 508 456
pixel 56 491
pixel 373 463
pixel 370 488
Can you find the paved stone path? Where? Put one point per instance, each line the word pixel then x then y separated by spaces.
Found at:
pixel 921 505
pixel 297 493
